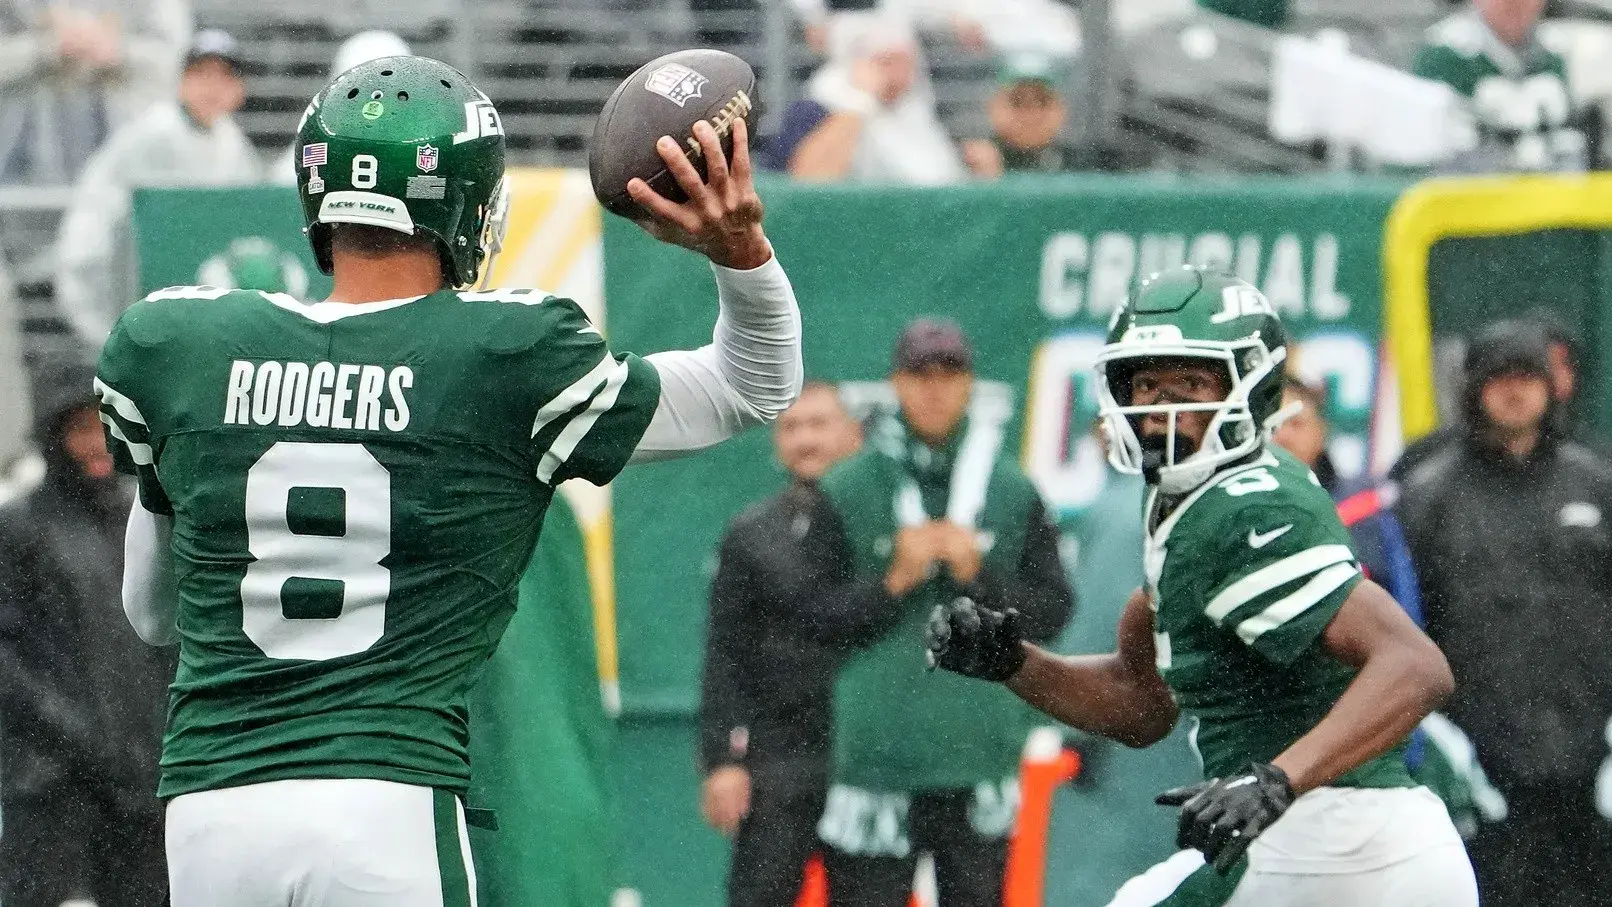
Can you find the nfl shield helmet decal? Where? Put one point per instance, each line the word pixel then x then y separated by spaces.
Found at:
pixel 425 157
pixel 676 83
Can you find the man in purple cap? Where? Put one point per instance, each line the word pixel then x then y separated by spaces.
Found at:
pixel 931 510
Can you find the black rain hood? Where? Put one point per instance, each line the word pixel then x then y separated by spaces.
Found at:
pixel 61 386
pixel 1507 348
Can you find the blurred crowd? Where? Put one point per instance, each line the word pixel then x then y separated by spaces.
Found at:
pixel 108 96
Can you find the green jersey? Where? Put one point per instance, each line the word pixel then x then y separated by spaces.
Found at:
pixel 355 492
pixel 1519 98
pixel 1245 574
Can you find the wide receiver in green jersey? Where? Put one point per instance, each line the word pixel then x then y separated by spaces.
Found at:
pixel 337 498
pixel 1302 677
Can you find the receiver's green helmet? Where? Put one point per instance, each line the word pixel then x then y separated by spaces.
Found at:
pixel 406 143
pixel 1193 313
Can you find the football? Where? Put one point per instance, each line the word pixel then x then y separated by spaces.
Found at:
pixel 666 96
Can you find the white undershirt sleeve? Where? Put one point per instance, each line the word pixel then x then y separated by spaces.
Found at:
pixel 150 598
pixel 747 375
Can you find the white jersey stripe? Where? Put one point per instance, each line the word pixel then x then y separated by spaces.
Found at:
pixel 1158 883
pixel 140 453
pixel 1320 586
pixel 573 396
pixel 123 405
pixel 571 436
pixel 1274 575
pixel 464 847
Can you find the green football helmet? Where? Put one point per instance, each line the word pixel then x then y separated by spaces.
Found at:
pixel 1192 313
pixel 406 143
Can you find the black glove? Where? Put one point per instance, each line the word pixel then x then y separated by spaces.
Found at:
pixel 975 641
pixel 1222 816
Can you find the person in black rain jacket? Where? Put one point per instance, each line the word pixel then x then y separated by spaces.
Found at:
pixel 1511 533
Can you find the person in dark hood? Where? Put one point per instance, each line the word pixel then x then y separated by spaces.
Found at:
pixel 1509 535
pixel 1563 363
pixel 82 699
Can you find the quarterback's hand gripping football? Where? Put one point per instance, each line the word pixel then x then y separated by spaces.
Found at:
pixel 722 217
pixel 972 640
pixel 1223 816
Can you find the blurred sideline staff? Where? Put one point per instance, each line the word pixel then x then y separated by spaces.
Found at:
pixel 1564 364
pixel 767 690
pixel 81 698
pixel 930 510
pixel 1513 551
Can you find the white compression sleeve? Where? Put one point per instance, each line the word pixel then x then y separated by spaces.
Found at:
pixel 150 599
pixel 749 374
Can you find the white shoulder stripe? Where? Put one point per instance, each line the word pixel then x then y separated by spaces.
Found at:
pixel 122 404
pixel 521 296
pixel 572 397
pixel 568 439
pixel 1274 575
pixel 1319 587
pixel 140 453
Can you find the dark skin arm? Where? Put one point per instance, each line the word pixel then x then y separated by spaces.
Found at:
pixel 1402 677
pixel 1119 695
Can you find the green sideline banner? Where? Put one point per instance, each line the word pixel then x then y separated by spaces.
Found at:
pixel 1032 271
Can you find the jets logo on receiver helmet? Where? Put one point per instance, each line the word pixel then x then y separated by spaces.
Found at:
pixel 1191 312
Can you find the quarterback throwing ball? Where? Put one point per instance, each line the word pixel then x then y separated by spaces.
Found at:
pixel 337 498
pixel 1302 677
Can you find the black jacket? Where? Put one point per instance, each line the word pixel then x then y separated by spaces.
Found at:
pixel 1515 564
pixel 82 699
pixel 766 693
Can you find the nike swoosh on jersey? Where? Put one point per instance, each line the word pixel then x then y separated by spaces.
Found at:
pixel 1261 539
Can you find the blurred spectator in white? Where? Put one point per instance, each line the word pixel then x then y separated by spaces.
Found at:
pixel 979 25
pixel 83 698
pixel 72 71
pixel 360 48
pixel 192 141
pixel 868 114
pixel 1519 113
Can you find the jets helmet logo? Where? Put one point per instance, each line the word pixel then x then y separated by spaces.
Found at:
pixel 676 83
pixel 481 121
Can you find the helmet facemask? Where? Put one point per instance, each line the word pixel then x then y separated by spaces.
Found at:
pixel 1231 434
pixel 494 225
